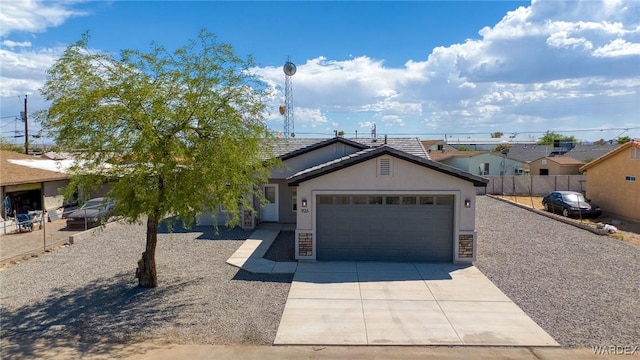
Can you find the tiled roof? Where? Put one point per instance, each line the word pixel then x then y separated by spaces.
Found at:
pixel 287 148
pixel 14 174
pixel 590 152
pixel 427 143
pixel 374 152
pixel 528 153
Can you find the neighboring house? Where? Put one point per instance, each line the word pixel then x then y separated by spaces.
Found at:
pixel 25 180
pixel 438 149
pixel 555 165
pixel 530 152
pixel 484 163
pixel 371 199
pixel 584 153
pixel 613 181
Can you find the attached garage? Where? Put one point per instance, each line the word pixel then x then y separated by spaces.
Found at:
pixel 383 204
pixel 389 227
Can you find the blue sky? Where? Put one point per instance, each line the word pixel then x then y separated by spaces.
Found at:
pixel 420 68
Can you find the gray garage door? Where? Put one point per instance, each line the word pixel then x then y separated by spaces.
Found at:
pixel 384 228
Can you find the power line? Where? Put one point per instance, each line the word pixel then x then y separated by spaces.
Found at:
pixel 624 129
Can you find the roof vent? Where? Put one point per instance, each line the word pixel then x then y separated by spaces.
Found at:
pixel 384 167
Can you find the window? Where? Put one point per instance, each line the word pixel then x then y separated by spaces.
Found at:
pixel 294 199
pixel 375 200
pixel 484 168
pixel 325 200
pixel 635 153
pixel 443 200
pixel 408 200
pixel 426 200
pixel 359 200
pixel 630 178
pixel 270 194
pixel 392 200
pixel 341 200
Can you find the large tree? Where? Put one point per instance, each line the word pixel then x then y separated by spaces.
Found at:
pixel 550 136
pixel 173 132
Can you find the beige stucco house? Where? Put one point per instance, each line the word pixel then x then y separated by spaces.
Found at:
pixel 555 165
pixel 613 181
pixel 371 199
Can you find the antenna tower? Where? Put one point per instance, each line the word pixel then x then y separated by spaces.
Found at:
pixel 289 69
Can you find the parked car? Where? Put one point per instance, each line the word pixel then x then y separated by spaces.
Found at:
pixel 570 204
pixel 94 212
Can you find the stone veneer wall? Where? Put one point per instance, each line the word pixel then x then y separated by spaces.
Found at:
pixel 465 246
pixel 247 219
pixel 305 244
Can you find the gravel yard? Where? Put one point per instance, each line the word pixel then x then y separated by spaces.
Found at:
pixel 582 288
pixel 88 293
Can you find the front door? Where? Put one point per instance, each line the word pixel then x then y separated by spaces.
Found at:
pixel 269 211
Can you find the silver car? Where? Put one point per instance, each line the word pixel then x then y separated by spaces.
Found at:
pixel 94 212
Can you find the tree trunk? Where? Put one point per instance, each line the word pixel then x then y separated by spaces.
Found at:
pixel 147 264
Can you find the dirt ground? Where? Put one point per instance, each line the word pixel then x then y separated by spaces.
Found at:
pixel 628 231
pixel 18 247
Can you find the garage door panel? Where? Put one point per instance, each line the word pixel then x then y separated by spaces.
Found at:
pixel 381 232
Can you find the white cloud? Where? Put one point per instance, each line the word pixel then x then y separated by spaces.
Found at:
pixel 618 47
pixel 392 120
pixel 23 72
pixel 12 44
pixel 35 16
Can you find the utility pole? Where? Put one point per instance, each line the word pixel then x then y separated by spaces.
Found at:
pixel 25 118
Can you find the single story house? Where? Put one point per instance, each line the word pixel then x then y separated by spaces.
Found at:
pixel 370 199
pixel 25 181
pixel 555 165
pixel 438 149
pixel 613 181
pixel 484 163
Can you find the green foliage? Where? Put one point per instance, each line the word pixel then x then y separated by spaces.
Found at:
pixel 463 148
pixel 172 132
pixel 549 137
pixel 497 135
pixel 11 147
pixel 502 147
pixel 623 139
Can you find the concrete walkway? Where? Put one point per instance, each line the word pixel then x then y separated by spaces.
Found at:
pixel 249 255
pixel 363 303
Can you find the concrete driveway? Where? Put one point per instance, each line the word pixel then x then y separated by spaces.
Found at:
pixel 366 303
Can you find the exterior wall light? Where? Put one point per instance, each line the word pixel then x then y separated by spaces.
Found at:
pixel 304 203
pixel 467 203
